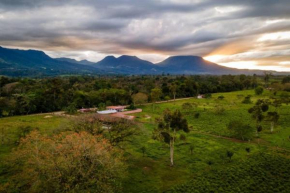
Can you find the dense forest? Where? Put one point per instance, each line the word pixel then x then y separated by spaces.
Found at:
pixel 20 96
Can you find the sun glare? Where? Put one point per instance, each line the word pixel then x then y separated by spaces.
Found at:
pixel 275 36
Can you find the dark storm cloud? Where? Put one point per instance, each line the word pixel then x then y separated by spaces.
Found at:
pixel 166 27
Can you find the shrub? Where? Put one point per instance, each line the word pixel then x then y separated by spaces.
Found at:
pixel 132 107
pixel 197 115
pixel 259 90
pixel 247 100
pixel 182 137
pixel 207 96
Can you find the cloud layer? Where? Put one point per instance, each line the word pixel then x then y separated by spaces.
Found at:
pixel 242 34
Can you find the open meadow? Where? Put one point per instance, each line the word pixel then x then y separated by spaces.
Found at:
pixel 201 162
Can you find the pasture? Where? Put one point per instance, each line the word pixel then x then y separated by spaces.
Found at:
pixel 201 162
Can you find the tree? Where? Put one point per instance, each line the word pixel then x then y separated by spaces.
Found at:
pixel 247 100
pixel 240 129
pixel 173 89
pixel 71 109
pixel 140 98
pixel 273 117
pixel 88 123
pixel 74 162
pixel 286 79
pixel 168 125
pixel 120 130
pixel 102 106
pixel 167 98
pixel 277 103
pixel 116 130
pixel 257 111
pixel 267 78
pixel 155 95
pixel 259 90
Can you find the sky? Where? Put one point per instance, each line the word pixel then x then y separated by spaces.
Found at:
pixel 252 34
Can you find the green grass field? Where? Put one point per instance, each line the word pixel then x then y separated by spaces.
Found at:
pixel 207 168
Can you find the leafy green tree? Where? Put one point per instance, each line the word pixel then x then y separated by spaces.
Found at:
pixel 88 123
pixel 167 129
pixel 71 109
pixel 257 111
pixel 173 88
pixel 247 100
pixel 155 96
pixel 120 130
pixel 259 90
pixel 167 98
pixel 140 98
pixel 277 103
pixel 102 106
pixel 241 130
pixel 286 79
pixel 267 77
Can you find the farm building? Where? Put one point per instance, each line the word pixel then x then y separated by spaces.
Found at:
pixel 200 96
pixel 83 110
pixel 107 112
pixel 116 108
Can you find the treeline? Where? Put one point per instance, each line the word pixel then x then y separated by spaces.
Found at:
pixel 20 96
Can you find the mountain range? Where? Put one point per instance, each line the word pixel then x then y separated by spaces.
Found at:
pixel 15 62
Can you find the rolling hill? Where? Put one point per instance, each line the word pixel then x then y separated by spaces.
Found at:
pixel 14 62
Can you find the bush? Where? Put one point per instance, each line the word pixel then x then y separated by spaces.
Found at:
pixel 207 96
pixel 259 90
pixel 221 97
pixel 182 137
pixel 247 100
pixel 197 115
pixel 132 107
